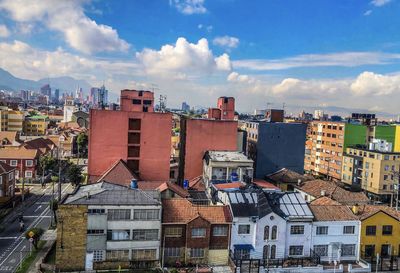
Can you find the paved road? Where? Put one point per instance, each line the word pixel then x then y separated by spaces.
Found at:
pixel 13 245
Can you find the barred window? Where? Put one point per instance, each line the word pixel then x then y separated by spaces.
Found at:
pixel 145 234
pixel 146 214
pixel 118 235
pixel 220 231
pixel 244 229
pixel 98 255
pixel 197 252
pixel 322 230
pixel 296 250
pixel 297 229
pixel 198 232
pixel 172 252
pixel 348 250
pixel 144 254
pixel 348 230
pixel 119 214
pixel 173 232
pixel 95 231
pixel 321 250
pixel 117 255
pixel 96 211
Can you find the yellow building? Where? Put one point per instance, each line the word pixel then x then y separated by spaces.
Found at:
pixel 11 120
pixel 396 147
pixel 371 170
pixel 36 125
pixel 380 231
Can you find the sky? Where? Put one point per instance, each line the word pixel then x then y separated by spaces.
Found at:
pixel 262 52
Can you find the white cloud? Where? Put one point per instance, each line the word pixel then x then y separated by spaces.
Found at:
pixel 238 78
pixel 183 58
pixel 368 12
pixel 4 32
pixel 189 7
pixel 67 17
pixel 207 28
pixel 226 41
pixel 344 59
pixel 380 3
pixel 369 83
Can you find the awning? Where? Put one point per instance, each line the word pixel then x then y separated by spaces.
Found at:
pixel 243 247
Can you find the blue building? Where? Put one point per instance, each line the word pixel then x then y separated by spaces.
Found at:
pixel 276 146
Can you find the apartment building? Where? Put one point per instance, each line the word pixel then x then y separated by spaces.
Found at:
pixel 7 182
pixel 135 134
pixel 371 170
pixel 11 120
pixel 36 125
pixel 195 234
pixel 326 143
pixel 107 226
pixel 24 160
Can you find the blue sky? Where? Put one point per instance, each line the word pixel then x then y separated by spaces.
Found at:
pixel 304 53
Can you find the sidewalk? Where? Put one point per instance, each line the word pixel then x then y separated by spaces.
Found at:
pixel 50 238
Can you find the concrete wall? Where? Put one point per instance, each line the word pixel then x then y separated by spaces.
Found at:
pixel 201 135
pixel 108 142
pixel 300 239
pixel 280 145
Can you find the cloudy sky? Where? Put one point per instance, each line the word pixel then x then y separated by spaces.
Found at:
pixel 306 53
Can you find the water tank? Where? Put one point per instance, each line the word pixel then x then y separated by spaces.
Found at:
pixel 134 184
pixel 234 177
pixel 185 184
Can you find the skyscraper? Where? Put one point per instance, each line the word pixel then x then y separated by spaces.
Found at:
pixel 45 90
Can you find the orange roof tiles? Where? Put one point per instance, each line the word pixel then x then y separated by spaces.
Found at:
pixel 20 152
pixel 367 211
pixel 326 209
pixel 119 173
pixel 264 184
pixel 181 210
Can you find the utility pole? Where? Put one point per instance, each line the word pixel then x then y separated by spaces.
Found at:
pixel 23 183
pixel 59 173
pixel 396 180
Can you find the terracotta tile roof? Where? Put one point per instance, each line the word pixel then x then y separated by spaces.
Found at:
pixel 18 153
pixel 43 144
pixel 229 185
pixel 197 184
pixel 119 173
pixel 332 213
pixel 286 176
pixel 175 188
pixel 5 168
pixel 366 211
pixel 179 210
pixel 264 184
pixel 10 136
pixel 149 185
pixel 334 191
pixel 323 200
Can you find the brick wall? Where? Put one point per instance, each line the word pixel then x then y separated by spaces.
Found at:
pixel 71 237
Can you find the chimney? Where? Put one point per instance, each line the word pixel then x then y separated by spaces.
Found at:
pixel 134 184
pixel 298 182
pixel 355 209
pixel 322 192
pixel 88 195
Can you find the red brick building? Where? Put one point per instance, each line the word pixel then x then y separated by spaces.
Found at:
pixel 136 134
pixel 7 182
pixel 194 234
pixel 225 109
pixel 25 161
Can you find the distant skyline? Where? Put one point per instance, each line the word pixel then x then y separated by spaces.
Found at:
pixel 312 54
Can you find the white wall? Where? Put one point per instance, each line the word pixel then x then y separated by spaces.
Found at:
pixel 237 239
pixel 300 239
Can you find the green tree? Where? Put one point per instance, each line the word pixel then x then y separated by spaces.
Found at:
pixel 82 141
pixel 34 233
pixel 74 174
pixel 47 163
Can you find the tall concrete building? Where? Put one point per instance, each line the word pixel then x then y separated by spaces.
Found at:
pixel 45 90
pixel 225 109
pixel 11 120
pixel 136 134
pixel 69 109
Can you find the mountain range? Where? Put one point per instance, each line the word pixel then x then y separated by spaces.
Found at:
pixel 69 84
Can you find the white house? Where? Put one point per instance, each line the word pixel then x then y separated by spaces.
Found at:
pixel 335 231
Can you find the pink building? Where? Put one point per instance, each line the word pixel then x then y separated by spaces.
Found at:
pixel 136 134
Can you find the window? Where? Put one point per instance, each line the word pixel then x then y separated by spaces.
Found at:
pixel 119 214
pixel 117 255
pixel 386 167
pixel 242 253
pixel 95 231
pixel 321 250
pixel 348 250
pixel 28 173
pixel 13 163
pixel 173 232
pixel 370 250
pixel 244 229
pixel 10 175
pixel 297 229
pixel 198 232
pixel 144 254
pixel 266 233
pixel 98 255
pixel 136 101
pixel 296 250
pixel 370 230
pixel 273 252
pixel 172 252
pixel 387 230
pixel 96 211
pixel 145 234
pixel 348 230
pixel 197 252
pixel 118 235
pixel 265 252
pixel 220 231
pixel 147 102
pixel 322 230
pixel 29 163
pixel 274 232
pixel 146 214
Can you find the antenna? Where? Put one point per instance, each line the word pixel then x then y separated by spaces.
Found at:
pixel 163 103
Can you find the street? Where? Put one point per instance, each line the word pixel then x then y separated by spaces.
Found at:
pixel 13 244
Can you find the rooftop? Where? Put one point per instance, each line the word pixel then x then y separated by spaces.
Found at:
pixel 366 211
pixel 286 176
pixel 180 210
pixel 227 156
pixel 20 152
pixel 326 209
pixel 5 168
pixel 118 173
pixel 104 193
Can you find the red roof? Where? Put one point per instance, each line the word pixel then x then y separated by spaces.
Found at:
pixel 162 186
pixel 264 184
pixel 228 185
pixel 180 210
pixel 197 184
pixel 5 168
pixel 119 173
